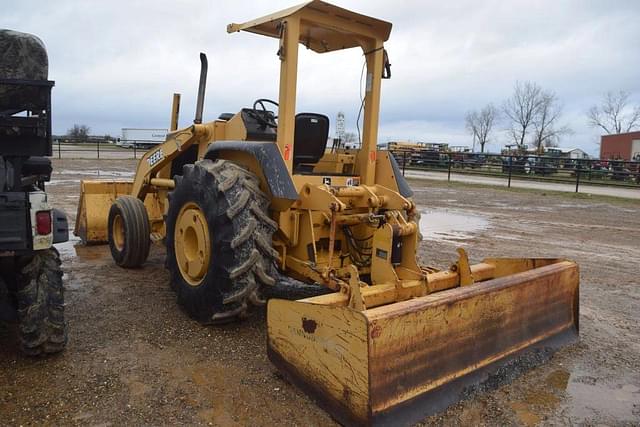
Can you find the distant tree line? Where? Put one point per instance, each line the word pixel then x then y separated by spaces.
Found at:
pixel 79 132
pixel 532 117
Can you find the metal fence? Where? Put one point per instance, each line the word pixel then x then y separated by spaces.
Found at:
pixel 522 167
pixel 69 148
pixel 526 167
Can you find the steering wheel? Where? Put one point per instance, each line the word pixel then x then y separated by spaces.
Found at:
pixel 261 118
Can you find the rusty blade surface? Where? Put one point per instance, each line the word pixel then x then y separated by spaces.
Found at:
pixel 396 364
pixel 323 350
pixel 421 345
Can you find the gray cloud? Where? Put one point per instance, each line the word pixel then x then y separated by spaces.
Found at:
pixel 117 63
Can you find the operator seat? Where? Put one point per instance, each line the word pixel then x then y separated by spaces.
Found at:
pixel 309 141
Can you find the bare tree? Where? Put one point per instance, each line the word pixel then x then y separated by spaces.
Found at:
pixel 350 139
pixel 80 132
pixel 480 123
pixel 546 127
pixel 615 115
pixel 521 110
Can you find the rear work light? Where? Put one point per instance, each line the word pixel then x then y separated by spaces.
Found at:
pixel 43 222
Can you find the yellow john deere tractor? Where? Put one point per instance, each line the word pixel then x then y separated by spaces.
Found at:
pixel 236 198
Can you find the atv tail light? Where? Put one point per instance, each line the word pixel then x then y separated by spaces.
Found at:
pixel 43 222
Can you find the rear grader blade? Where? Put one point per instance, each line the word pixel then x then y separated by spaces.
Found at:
pixel 396 363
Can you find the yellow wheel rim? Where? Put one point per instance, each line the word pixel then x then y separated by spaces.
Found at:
pixel 192 243
pixel 118 232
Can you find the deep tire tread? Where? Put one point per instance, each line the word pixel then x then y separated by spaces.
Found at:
pixel 243 260
pixel 42 327
pixel 239 205
pixel 245 234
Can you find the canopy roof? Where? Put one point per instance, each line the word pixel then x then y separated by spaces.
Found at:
pixel 323 26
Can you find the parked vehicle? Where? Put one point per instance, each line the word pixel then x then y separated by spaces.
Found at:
pixel 619 172
pixel 468 160
pixel 31 290
pixel 142 138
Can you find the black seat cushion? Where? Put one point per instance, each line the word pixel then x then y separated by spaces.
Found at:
pixel 40 166
pixel 310 139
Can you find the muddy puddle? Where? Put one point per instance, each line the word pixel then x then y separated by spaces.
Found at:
pixel 510 206
pixel 76 250
pixel 98 173
pixel 580 398
pixel 81 174
pixel 592 398
pixel 451 226
pixel 63 181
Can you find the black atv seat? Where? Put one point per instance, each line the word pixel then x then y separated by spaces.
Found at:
pixel 39 166
pixel 309 141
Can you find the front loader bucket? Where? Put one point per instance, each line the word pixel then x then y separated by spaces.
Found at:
pixel 397 363
pixel 96 198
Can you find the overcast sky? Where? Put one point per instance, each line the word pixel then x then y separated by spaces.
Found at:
pixel 116 63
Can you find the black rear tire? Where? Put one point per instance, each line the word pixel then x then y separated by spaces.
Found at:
pixel 241 258
pixel 42 328
pixel 129 232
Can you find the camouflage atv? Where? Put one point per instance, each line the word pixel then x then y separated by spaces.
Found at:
pixel 31 289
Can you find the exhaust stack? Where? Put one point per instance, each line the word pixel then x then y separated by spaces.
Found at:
pixel 204 65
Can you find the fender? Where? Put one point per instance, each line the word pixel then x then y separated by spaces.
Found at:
pixel 60 226
pixel 270 163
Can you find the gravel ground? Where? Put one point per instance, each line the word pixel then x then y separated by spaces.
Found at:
pixel 135 358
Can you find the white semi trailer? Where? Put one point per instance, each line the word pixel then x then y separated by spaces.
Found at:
pixel 142 138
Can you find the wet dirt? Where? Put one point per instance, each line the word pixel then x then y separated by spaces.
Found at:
pixel 135 358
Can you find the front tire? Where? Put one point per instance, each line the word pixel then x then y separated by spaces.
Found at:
pixel 129 232
pixel 219 232
pixel 42 328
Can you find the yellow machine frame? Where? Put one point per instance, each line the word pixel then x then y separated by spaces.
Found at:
pixel 393 331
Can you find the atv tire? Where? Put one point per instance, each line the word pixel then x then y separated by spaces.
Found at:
pixel 129 232
pixel 42 328
pixel 235 258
